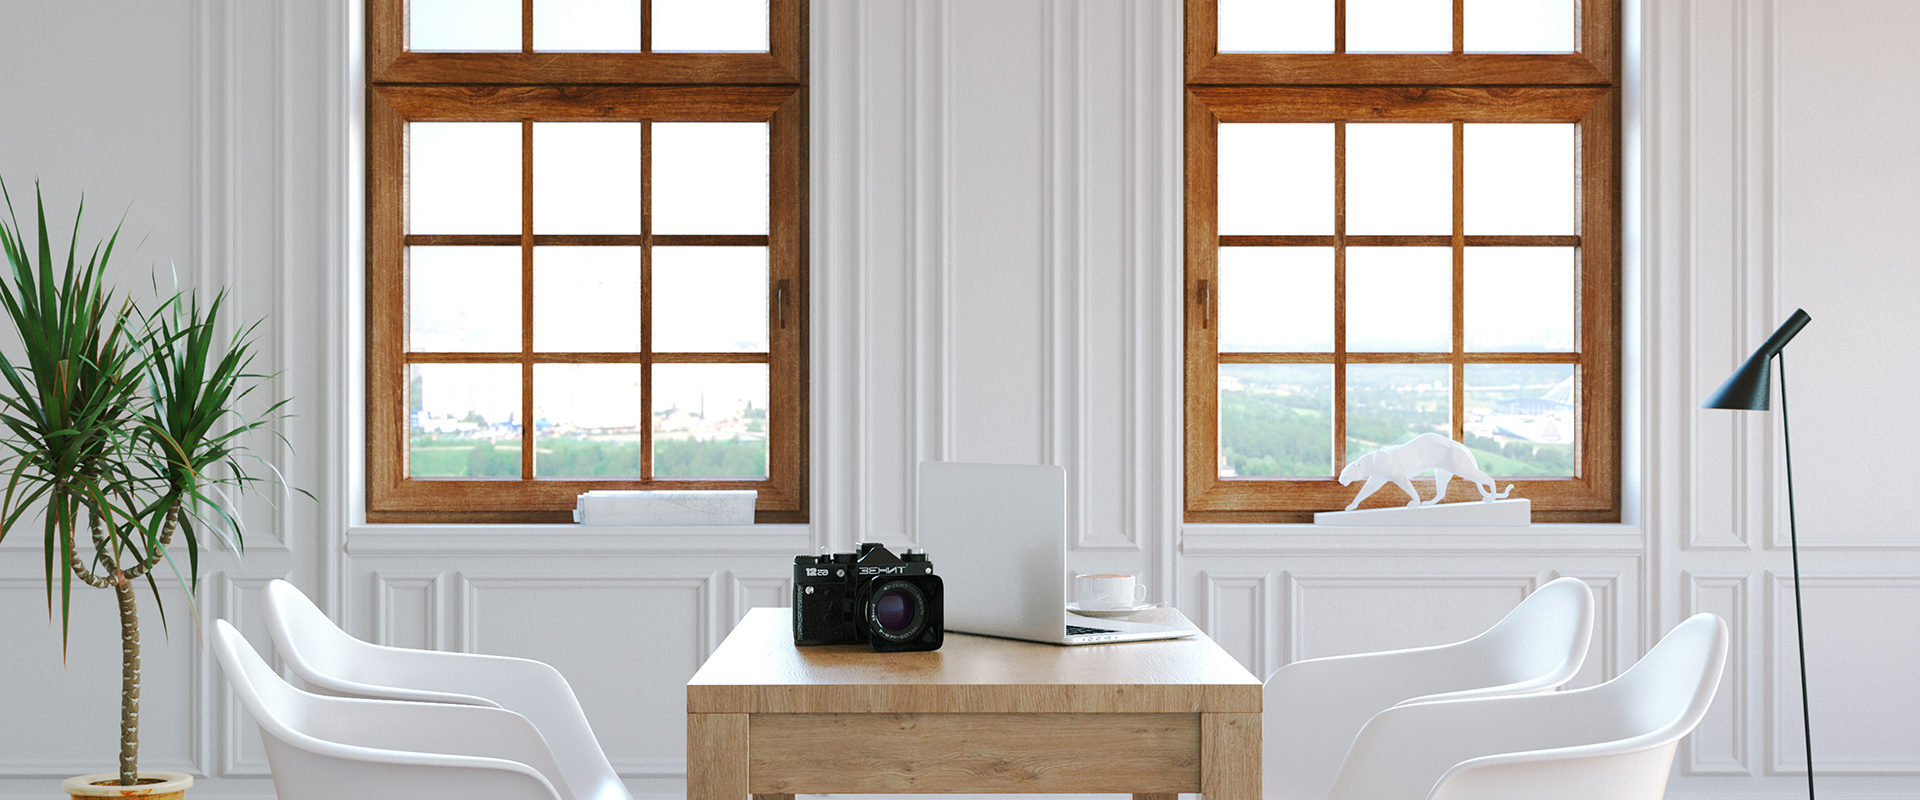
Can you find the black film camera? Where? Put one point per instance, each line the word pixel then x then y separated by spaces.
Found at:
pixel 870 595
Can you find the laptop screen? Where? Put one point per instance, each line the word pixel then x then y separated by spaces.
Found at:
pixel 997 536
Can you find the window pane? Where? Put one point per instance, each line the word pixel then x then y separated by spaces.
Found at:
pixel 595 25
pixel 1276 420
pixel 1276 178
pixel 586 299
pixel 710 25
pixel 1399 26
pixel 1521 299
pixel 1521 26
pixel 586 421
pixel 463 420
pixel 710 177
pixel 710 299
pixel 1523 419
pixel 1276 26
pixel 1276 299
pixel 1399 179
pixel 586 177
pixel 463 25
pixel 463 177
pixel 463 299
pixel 1392 403
pixel 709 420
pixel 1399 299
pixel 1521 179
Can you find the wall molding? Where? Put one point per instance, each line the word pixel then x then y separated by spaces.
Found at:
pixel 468 588
pixel 199 723
pixel 1696 585
pixel 706 627
pixel 1295 586
pixel 1260 610
pixel 742 591
pixel 1785 755
pixel 213 701
pixel 434 588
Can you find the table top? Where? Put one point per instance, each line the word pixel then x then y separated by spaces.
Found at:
pixel 759 670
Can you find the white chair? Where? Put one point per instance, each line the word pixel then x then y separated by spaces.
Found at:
pixel 1614 741
pixel 324 748
pixel 333 661
pixel 1314 708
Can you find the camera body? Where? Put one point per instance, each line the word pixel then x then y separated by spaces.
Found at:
pixel 892 602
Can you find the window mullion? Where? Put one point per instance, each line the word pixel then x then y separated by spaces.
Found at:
pixel 1339 276
pixel 646 279
pixel 526 26
pixel 526 288
pixel 1459 413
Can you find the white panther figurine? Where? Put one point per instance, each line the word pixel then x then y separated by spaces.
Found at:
pixel 1398 463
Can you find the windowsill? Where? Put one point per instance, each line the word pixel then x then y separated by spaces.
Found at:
pixel 567 539
pixel 1255 540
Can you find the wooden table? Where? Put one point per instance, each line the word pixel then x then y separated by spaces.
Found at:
pixel 978 715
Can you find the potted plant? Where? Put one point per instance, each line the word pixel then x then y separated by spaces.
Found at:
pixel 123 440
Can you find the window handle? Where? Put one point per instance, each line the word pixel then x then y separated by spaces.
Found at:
pixel 1206 306
pixel 780 300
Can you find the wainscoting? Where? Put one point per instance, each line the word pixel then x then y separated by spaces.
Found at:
pixel 995 277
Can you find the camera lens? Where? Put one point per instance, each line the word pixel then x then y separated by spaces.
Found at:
pixel 893 610
pixel 897 611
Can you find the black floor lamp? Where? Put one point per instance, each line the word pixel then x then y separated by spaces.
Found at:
pixel 1747 390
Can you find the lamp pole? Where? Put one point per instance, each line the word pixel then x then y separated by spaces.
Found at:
pixel 1793 544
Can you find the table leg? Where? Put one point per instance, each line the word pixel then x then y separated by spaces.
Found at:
pixel 1230 756
pixel 717 757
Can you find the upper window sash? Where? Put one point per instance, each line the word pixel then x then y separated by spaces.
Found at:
pixel 390 62
pixel 1593 61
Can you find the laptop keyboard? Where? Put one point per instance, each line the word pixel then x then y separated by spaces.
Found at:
pixel 1077 630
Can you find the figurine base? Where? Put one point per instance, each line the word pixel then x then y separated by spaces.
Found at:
pixel 1501 513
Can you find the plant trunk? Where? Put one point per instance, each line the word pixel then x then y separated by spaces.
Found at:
pixel 129 682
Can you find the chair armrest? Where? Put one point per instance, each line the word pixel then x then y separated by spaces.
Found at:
pixel 1587 772
pixel 1405 750
pixel 435 676
pixel 316 768
pixel 432 731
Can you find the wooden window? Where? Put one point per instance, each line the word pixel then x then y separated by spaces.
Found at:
pixel 586 232
pixel 1401 217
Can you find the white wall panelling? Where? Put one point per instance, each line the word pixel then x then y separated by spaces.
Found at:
pixel 409 610
pixel 996 277
pixel 80 688
pixel 1719 746
pixel 1859 678
pixel 1237 611
pixel 241 753
pixel 757 592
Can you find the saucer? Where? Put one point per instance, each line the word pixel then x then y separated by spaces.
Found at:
pixel 1117 611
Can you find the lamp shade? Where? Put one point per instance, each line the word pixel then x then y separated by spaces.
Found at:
pixel 1749 387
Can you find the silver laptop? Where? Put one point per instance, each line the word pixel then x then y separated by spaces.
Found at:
pixel 997 535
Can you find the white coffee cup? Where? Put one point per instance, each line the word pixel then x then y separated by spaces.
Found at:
pixel 1108 590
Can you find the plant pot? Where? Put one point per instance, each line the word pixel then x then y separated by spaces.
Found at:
pixel 152 786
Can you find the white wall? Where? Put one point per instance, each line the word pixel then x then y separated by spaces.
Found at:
pixel 996 278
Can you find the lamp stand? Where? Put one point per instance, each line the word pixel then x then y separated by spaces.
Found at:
pixel 1793 542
